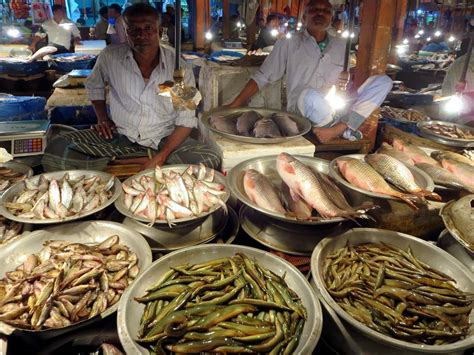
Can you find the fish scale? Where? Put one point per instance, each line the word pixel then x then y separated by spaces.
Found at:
pixel 261 191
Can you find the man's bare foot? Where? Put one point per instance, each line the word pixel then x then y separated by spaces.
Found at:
pixel 327 134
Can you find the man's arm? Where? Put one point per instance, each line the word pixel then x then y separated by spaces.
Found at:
pixel 173 141
pixel 76 34
pixel 272 69
pixel 34 42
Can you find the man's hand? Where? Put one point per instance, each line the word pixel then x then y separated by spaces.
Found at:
pixel 105 129
pixel 158 159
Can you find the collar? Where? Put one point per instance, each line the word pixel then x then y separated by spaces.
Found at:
pixel 308 36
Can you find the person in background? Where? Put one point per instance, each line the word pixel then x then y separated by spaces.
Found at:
pixel 454 74
pixel 60 31
pixel 171 12
pixel 266 37
pixel 139 126
pixel 115 18
pixel 436 45
pixel 312 61
pixel 102 25
pixel 167 24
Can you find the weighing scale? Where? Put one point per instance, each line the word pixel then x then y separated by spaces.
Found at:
pixel 24 138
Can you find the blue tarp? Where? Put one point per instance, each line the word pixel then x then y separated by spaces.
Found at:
pixel 18 108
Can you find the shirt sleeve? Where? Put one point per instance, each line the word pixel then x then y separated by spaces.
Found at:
pixel 273 68
pixel 95 84
pixel 75 31
pixel 120 28
pixel 452 76
pixel 187 118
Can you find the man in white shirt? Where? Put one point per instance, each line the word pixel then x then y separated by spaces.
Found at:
pixel 60 31
pixel 142 127
pixel 312 61
pixel 115 15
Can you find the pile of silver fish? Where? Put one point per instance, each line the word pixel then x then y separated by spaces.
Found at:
pixel 9 177
pixel 377 170
pixel 58 199
pixel 451 131
pixel 402 114
pixel 228 305
pixel 169 195
pixel 252 124
pixel 458 216
pixel 66 283
pixel 303 188
pixel 391 291
pixel 447 169
pixel 74 58
pixel 9 229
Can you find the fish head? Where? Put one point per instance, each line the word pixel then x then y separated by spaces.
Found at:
pixel 398 144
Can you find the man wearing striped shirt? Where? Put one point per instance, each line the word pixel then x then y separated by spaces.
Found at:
pixel 141 126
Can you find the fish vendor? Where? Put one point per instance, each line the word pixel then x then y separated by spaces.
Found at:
pixel 312 61
pixel 141 127
pixel 60 31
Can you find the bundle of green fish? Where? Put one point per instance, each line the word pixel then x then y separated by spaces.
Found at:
pixel 391 291
pixel 229 305
pixel 58 199
pixel 9 177
pixel 9 229
pixel 169 195
pixel 66 283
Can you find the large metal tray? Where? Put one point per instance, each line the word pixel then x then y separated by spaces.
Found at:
pixel 447 242
pixel 16 252
pixel 425 251
pixel 452 228
pixel 10 193
pixel 304 124
pixel 130 311
pixel 421 178
pixel 267 166
pixel 283 236
pixel 454 142
pixel 180 168
pixel 160 237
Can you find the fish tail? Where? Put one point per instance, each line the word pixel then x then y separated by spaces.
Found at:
pixel 425 193
pixel 411 199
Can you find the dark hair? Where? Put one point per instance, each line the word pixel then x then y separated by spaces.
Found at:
pixel 55 8
pixel 116 7
pixel 103 11
pixel 140 9
pixel 270 18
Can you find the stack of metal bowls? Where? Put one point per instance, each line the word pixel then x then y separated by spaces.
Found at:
pixel 184 232
pixel 360 337
pixel 275 230
pixel 130 311
pixel 392 213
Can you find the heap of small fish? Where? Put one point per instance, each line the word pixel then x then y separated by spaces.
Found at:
pixel 377 170
pixel 391 291
pixel 60 198
pixel 252 124
pixel 402 114
pixel 74 58
pixel 66 283
pixel 447 169
pixel 304 189
pixel 9 177
pixel 451 131
pixel 228 305
pixel 9 229
pixel 169 195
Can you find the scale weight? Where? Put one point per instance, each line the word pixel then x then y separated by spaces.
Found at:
pixel 24 138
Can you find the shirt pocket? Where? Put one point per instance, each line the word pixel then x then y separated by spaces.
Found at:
pixel 164 106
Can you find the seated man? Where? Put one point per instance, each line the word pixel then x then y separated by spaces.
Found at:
pixel 312 61
pixel 143 127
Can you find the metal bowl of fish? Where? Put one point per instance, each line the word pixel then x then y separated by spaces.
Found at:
pixel 173 194
pixel 458 217
pixel 447 242
pixel 359 171
pixel 447 133
pixel 256 125
pixel 60 196
pixel 400 291
pixel 264 185
pixel 223 312
pixel 11 172
pixel 69 275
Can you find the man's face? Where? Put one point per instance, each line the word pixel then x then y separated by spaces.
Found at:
pixel 112 13
pixel 142 32
pixel 274 24
pixel 59 15
pixel 317 15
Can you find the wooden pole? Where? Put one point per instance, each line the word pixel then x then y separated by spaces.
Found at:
pixel 200 24
pixel 375 38
pixel 226 18
pixel 251 32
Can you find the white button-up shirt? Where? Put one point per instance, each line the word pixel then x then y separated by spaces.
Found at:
pixel 61 33
pixel 135 106
pixel 303 63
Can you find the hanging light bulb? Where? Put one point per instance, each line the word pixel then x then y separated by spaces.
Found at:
pixel 352 35
pixel 451 38
pixel 335 99
pixel 428 39
pixel 421 32
pixel 454 105
pixel 288 35
pixel 208 35
pixel 285 24
pixel 345 34
pixel 13 32
pixel 438 33
pixel 405 41
pixel 417 36
pixel 274 32
pixel 402 49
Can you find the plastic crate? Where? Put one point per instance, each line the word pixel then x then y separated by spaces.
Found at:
pixel 21 108
pixel 66 67
pixel 409 127
pixel 75 116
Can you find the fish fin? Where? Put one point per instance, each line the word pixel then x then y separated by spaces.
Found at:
pixel 411 199
pixel 425 193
